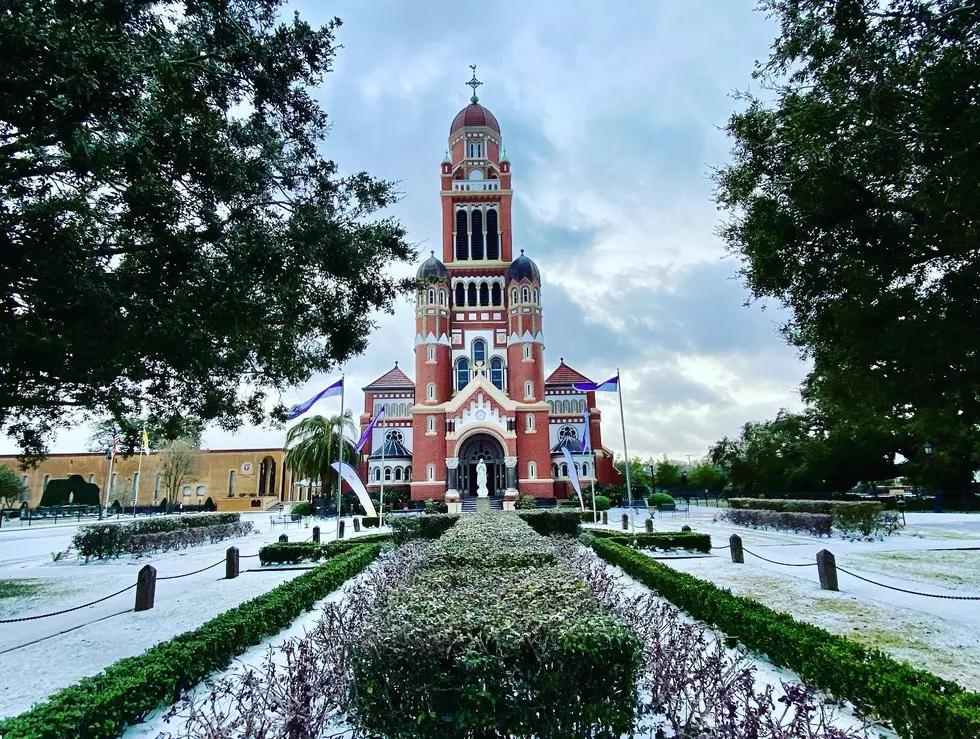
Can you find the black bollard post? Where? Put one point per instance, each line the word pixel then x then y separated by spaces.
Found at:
pixel 231 563
pixel 146 588
pixel 827 570
pixel 735 544
pixel 283 538
pixel 316 534
pixel 340 529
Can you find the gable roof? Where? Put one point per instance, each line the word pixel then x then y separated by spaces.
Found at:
pixel 393 379
pixel 565 375
pixel 392 450
pixel 475 385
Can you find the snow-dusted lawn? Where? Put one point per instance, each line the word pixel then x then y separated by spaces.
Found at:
pixel 82 643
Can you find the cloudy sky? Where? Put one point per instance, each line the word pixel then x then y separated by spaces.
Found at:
pixel 611 121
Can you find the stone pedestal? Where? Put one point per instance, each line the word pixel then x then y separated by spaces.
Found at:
pixel 510 463
pixel 452 502
pixel 452 467
pixel 510 500
pixel 482 505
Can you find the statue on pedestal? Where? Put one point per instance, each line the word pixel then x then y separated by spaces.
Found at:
pixel 481 479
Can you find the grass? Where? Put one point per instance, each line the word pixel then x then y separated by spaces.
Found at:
pixel 20 588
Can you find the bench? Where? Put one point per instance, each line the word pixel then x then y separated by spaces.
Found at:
pixel 284 520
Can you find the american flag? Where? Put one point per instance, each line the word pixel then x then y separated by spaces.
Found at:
pixel 110 451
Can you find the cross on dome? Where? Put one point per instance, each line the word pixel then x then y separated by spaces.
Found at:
pixel 474 83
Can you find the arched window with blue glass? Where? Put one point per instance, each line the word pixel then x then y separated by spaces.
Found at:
pixel 479 351
pixel 497 372
pixel 462 373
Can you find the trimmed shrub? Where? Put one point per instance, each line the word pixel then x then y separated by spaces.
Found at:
pixel 301 509
pixel 406 528
pixel 59 491
pixel 525 502
pixel 167 541
pixel 370 522
pixel 492 540
pixel 815 524
pixel 602 503
pixel 209 505
pixel 665 540
pixel 554 522
pixel 106 540
pixel 658 499
pixel 101 707
pixel 588 517
pixel 862 517
pixel 917 703
pixel 433 506
pixel 294 552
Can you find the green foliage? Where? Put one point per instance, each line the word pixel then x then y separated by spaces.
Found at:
pixel 107 540
pixel 314 443
pixel 434 506
pixel 182 256
pixel 918 703
pixel 294 552
pixel 664 540
pixel 301 509
pixel 480 643
pixel 101 707
pixel 707 476
pixel 209 504
pixel 11 487
pixel 658 499
pixel 639 472
pixel 405 528
pixel 852 203
pixel 160 430
pixel 849 517
pixel 555 522
pixel 668 475
pixel 59 492
pixel 525 502
pixel 602 503
pixel 370 522
pixel 22 588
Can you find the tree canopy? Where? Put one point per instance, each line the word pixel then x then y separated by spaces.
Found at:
pixel 171 235
pixel 159 432
pixel 314 443
pixel 11 487
pixel 852 200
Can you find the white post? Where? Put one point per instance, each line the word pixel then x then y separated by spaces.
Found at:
pixel 139 479
pixel 626 454
pixel 381 501
pixel 340 454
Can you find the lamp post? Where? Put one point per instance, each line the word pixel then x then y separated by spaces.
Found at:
pixel 927 447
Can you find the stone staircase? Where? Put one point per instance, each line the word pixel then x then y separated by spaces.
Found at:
pixel 469 504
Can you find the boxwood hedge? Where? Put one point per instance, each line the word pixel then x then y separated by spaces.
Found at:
pixel 107 540
pixel 918 703
pixel 849 517
pixel 291 552
pixel 425 526
pixel 666 540
pixel 555 522
pixel 101 707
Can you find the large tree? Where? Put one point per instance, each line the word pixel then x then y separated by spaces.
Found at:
pixel 852 195
pixel 314 443
pixel 180 462
pixel 11 488
pixel 171 234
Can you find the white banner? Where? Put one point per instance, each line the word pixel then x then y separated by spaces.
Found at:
pixel 350 477
pixel 573 476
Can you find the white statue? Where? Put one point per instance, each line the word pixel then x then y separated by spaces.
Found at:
pixel 481 480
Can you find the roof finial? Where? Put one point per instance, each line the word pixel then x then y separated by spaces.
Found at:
pixel 562 360
pixel 474 83
pixel 522 251
pixel 396 364
pixel 432 252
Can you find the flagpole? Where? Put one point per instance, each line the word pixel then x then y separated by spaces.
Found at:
pixel 108 482
pixel 340 453
pixel 626 454
pixel 139 479
pixel 381 501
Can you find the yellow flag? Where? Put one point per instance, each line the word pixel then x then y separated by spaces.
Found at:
pixel 146 443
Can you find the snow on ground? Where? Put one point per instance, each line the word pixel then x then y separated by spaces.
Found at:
pixel 938 635
pixel 84 642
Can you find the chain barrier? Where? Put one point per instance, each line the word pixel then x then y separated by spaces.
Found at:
pixel 66 610
pixel 188 574
pixel 781 564
pixel 910 592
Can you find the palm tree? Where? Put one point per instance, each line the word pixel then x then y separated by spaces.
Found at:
pixel 312 445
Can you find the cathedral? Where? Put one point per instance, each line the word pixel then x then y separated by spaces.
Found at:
pixel 480 391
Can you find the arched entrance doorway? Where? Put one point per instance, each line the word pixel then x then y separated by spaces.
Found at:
pixel 487 448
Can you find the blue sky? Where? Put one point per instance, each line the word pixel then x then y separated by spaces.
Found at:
pixel 611 121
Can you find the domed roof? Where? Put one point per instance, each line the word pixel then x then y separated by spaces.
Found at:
pixel 523 268
pixel 432 267
pixel 474 114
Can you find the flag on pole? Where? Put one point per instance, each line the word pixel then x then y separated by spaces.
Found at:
pixel 573 475
pixel 349 474
pixel 299 409
pixel 110 451
pixel 586 441
pixel 609 386
pixel 145 449
pixel 367 432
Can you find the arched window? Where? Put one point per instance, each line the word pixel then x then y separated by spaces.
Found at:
pixel 430 472
pixel 554 469
pixel 525 295
pixel 513 295
pixel 408 474
pixel 430 392
pixel 442 297
pixel 484 294
pixel 532 470
pixel 530 422
pixel 432 296
pixel 534 296
pixel 187 491
pixel 462 235
pixel 398 474
pixel 377 474
pixel 471 294
pixel 430 424
pixel 493 238
pixel 387 474
pixel 479 351
pixel 460 294
pixel 462 373
pixel 528 389
pixel 578 470
pixel 200 491
pixel 476 235
pixel 495 295
pixel 551 406
pixel 497 372
pixel 563 470
pixel 431 354
pixel 585 469
pixel 566 406
pixel 527 351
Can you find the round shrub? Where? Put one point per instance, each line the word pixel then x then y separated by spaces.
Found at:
pixel 524 502
pixel 659 499
pixel 302 509
pixel 602 503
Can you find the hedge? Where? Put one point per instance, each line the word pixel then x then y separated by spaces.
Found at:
pixel 815 524
pixel 293 552
pixel 106 540
pixel 101 707
pixel 425 526
pixel 370 522
pixel 689 540
pixel 849 517
pixel 503 650
pixel 918 703
pixel 554 522
pixel 166 541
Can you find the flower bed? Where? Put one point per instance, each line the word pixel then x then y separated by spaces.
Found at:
pixel 108 540
pixel 688 540
pixel 492 638
pixel 916 702
pixel 815 524
pixel 102 706
pixel 554 523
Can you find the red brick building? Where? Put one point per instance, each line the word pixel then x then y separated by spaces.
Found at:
pixel 480 389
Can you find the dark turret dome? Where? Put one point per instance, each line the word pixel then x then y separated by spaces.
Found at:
pixel 523 268
pixel 432 267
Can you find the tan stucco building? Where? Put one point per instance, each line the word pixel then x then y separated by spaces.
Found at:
pixel 232 478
